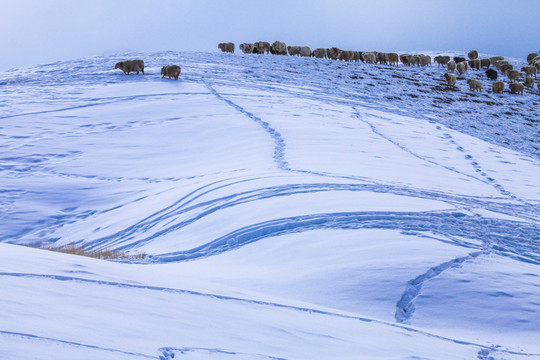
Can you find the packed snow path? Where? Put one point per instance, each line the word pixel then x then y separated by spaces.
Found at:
pixel 373 193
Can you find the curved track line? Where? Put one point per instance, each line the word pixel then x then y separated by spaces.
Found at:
pixel 406 305
pixel 72 343
pixel 279 142
pixel 310 311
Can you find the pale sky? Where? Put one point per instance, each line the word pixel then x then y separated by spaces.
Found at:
pixel 42 31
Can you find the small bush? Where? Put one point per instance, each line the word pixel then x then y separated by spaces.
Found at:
pixel 106 254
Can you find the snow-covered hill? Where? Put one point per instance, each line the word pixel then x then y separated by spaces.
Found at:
pixel 290 208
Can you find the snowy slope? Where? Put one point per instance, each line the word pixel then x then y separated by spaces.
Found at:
pixel 291 208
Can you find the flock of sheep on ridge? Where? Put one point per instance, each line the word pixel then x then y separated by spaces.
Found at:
pixel 459 64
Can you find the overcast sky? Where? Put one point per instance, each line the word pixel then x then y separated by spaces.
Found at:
pixel 41 31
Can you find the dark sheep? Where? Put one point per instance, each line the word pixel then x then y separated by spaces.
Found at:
pixel 459 59
pixel 491 74
pixel 172 71
pixel 226 47
pixel 130 66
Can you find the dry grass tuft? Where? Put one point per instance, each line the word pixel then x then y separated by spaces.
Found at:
pixel 106 254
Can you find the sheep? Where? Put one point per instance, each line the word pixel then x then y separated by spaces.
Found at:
pixel 513 75
pixel 529 82
pixel 130 66
pixel 473 54
pixel 261 47
pixel 529 70
pixel 516 88
pixel 491 74
pixel 415 60
pixel 346 55
pixel 293 50
pixel 442 60
pixel 485 63
pixel 474 64
pixel 278 48
pixel 462 67
pixel 538 86
pixel 459 59
pixel 498 87
pixel 333 53
pixel 305 51
pixel 495 58
pixel 381 58
pixel 504 68
pixel 474 84
pixel 171 71
pixel 319 53
pixel 247 48
pixel 451 66
pixel 370 57
pixel 361 53
pixel 404 58
pixel 356 56
pixel 226 47
pixel 450 79
pixel 500 63
pixel 530 57
pixel 425 60
pixel 392 58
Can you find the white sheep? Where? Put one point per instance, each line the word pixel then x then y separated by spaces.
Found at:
pixel 450 79
pixel 462 67
pixel 474 84
pixel 451 66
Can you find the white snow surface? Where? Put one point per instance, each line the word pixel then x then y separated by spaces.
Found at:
pixel 290 208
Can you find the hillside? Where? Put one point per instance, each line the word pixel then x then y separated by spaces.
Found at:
pixel 288 208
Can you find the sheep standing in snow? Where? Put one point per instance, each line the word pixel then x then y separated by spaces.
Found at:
pixel 459 59
pixel 333 53
pixel 319 53
pixel 404 58
pixel 473 54
pixel 474 84
pixel 442 60
pixel 305 51
pixel 226 47
pixel 346 55
pixel 293 50
pixel 530 57
pixel 450 79
pixel 451 66
pixel 529 70
pixel 516 88
pixel 529 82
pixel 462 67
pixel 172 71
pixel 392 58
pixel 498 87
pixel 370 57
pixel 278 48
pixel 491 74
pixel 130 66
pixel 513 75
pixel 247 48
pixel 474 64
pixel 499 63
pixel 505 68
pixel 495 58
pixel 261 47
pixel 485 63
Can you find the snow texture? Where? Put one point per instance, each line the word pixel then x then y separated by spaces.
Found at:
pixel 291 208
